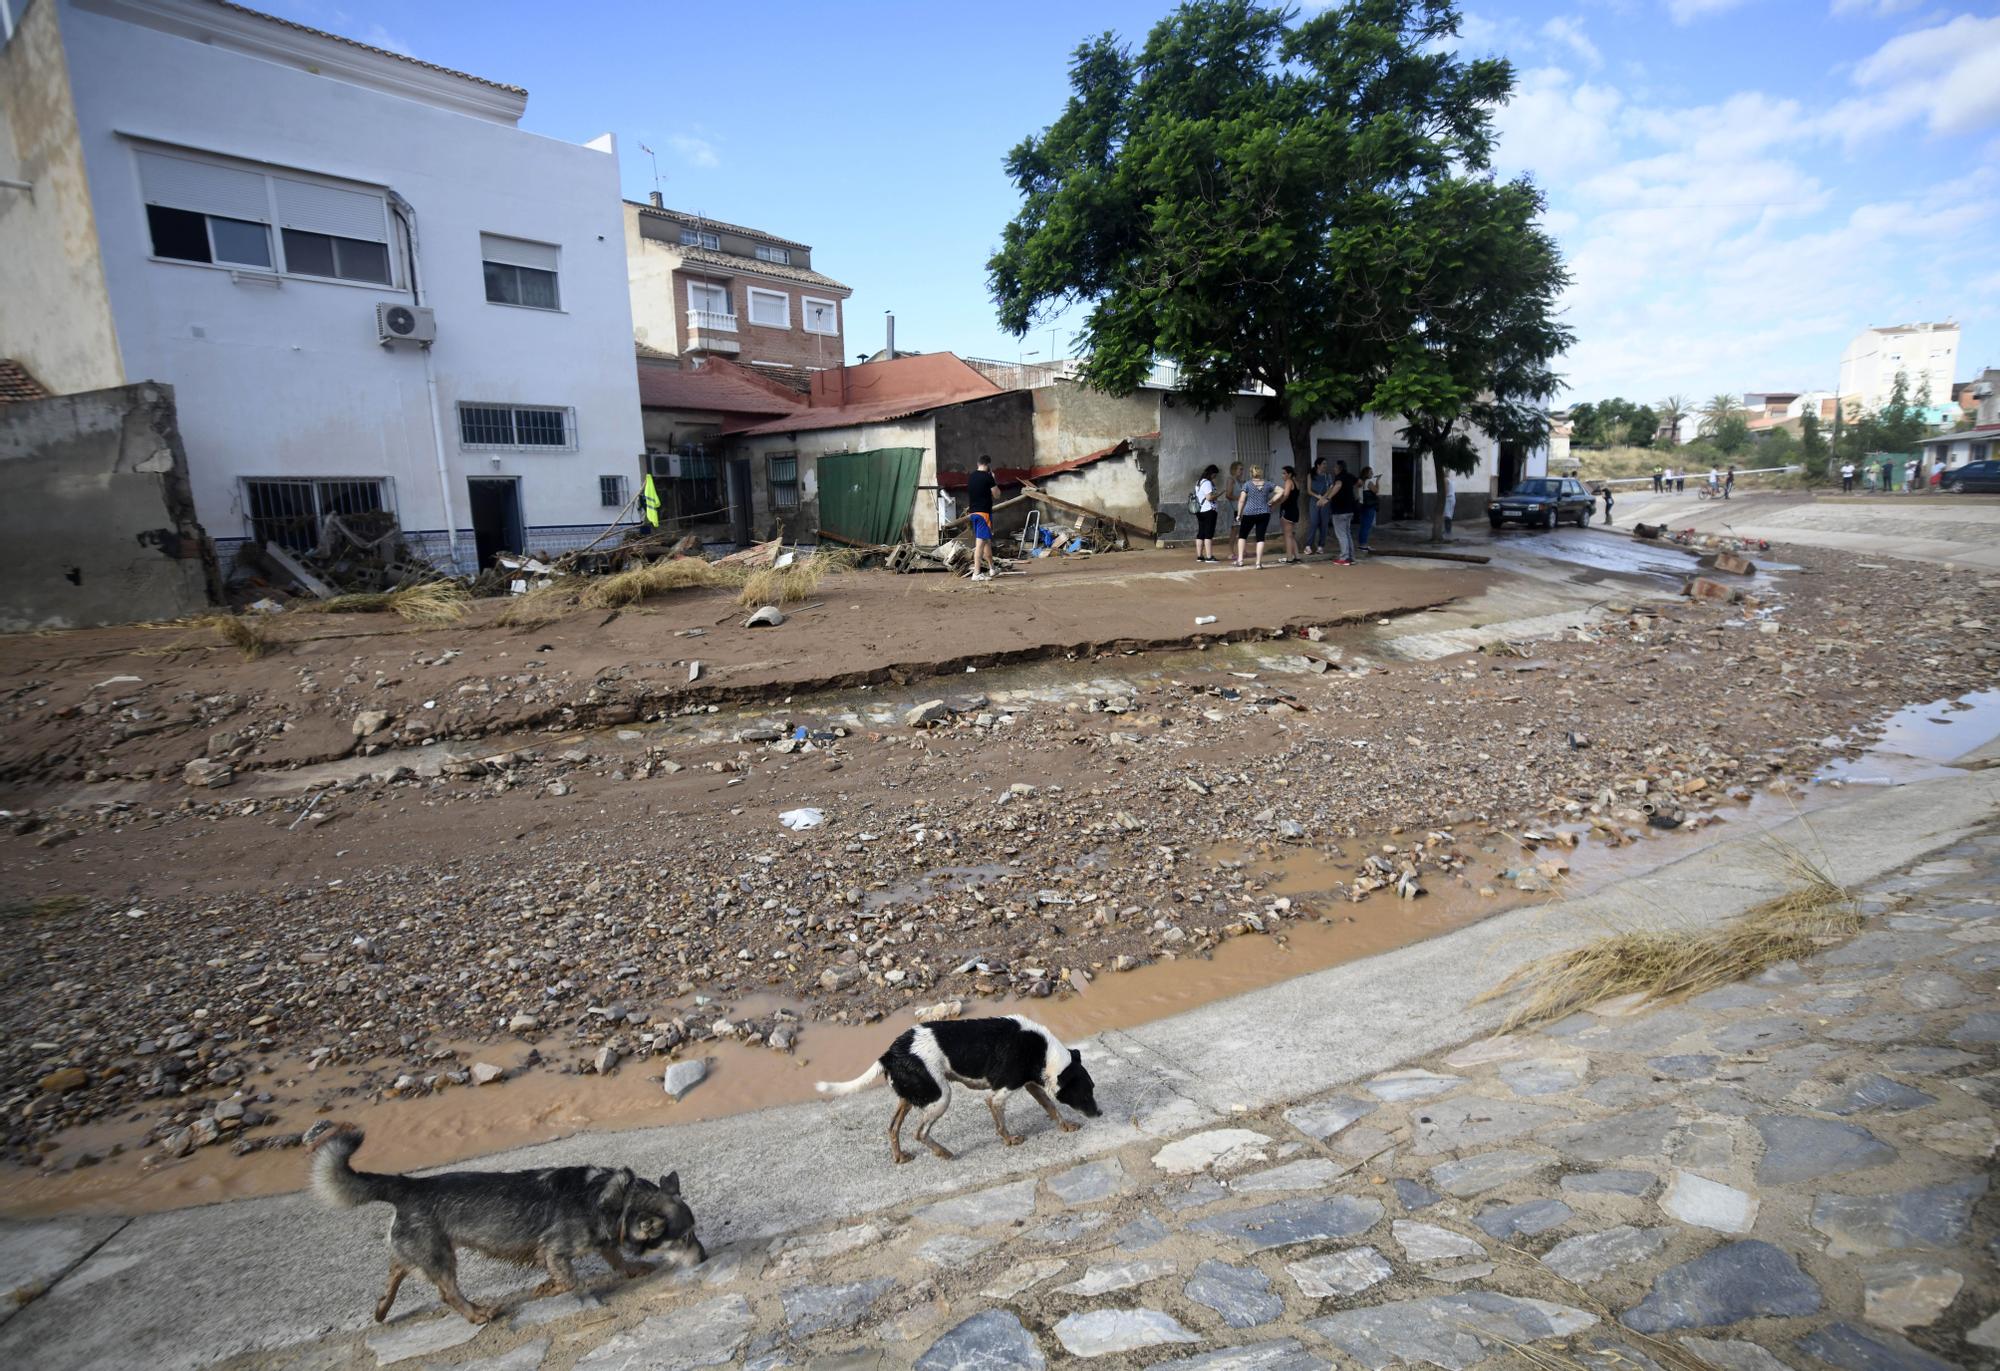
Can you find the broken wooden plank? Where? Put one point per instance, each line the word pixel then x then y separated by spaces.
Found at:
pixel 1134 530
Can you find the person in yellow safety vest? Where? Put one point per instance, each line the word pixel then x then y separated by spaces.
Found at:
pixel 652 501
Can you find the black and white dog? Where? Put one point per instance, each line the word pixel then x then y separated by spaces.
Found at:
pixel 999 1055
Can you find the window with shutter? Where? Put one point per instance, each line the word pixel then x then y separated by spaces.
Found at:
pixel 769 308
pixel 519 272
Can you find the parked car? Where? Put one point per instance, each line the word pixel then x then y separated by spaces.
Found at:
pixel 1544 502
pixel 1972 476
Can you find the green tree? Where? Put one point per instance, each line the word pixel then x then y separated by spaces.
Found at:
pixel 1718 411
pixel 1641 427
pixel 1814 451
pixel 1586 427
pixel 1731 435
pixel 1672 410
pixel 1306 208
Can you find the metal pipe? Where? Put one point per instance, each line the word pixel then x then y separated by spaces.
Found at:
pixel 407 213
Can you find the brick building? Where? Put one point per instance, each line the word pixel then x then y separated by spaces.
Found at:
pixel 703 288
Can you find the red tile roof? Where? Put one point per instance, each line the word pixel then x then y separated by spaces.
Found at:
pixel 17 384
pixel 876 392
pixel 716 387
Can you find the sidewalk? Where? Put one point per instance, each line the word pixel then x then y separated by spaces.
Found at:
pixel 1745 1168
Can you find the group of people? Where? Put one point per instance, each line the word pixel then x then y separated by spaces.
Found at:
pixel 1671 480
pixel 1334 504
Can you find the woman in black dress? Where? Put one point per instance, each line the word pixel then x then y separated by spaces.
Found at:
pixel 1288 514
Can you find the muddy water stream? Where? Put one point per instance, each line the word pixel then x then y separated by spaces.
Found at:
pixel 1321 930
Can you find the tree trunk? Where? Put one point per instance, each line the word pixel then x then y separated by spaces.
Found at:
pixel 1438 478
pixel 1302 457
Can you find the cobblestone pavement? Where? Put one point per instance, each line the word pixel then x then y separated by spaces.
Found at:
pixel 1787 1173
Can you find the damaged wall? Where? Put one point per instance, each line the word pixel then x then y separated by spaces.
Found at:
pixel 99 521
pixel 55 311
pixel 1125 487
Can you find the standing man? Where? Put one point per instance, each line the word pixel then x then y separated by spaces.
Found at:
pixel 1344 501
pixel 979 501
pixel 1714 482
pixel 1607 503
pixel 1681 481
pixel 1847 478
pixel 1450 500
pixel 1729 481
pixel 1659 480
pixel 1885 477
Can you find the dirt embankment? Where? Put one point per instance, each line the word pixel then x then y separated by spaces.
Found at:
pixel 178 953
pixel 143 701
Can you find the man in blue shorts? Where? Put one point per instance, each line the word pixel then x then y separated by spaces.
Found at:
pixel 979 501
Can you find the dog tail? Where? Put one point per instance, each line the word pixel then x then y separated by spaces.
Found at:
pixel 861 1082
pixel 336 1182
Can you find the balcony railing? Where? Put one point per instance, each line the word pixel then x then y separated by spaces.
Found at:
pixel 712 320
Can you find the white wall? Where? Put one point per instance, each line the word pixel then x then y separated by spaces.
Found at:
pixel 288 378
pixel 1926 353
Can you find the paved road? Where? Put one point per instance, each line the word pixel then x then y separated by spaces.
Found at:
pixel 1958 531
pixel 281 1282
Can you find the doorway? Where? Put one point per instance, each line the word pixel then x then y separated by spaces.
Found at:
pixel 739 500
pixel 496 516
pixel 1510 466
pixel 1405 484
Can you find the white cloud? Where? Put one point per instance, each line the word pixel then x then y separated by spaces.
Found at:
pixel 1569 32
pixel 1943 75
pixel 1555 128
pixel 1687 11
pixel 698 152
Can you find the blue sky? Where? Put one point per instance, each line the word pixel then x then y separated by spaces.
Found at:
pixel 1739 185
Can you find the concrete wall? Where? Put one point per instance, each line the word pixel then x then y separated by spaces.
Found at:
pixel 1072 420
pixel 1125 487
pixel 799 525
pixel 55 315
pixel 278 374
pixel 98 522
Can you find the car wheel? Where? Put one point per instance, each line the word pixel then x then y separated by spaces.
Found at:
pixel 1549 519
pixel 1495 523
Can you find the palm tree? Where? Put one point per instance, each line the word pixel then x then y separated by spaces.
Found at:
pixel 1718 409
pixel 1672 410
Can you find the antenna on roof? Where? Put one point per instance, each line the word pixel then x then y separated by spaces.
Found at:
pixel 656 172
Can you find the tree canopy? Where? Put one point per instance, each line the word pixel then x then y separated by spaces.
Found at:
pixel 1304 207
pixel 1615 422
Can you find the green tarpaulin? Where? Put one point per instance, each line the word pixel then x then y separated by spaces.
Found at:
pixel 866 496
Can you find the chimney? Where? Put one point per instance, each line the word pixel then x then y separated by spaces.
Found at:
pixel 659 201
pixel 891 346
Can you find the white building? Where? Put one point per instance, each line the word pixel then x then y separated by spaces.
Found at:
pixel 234 204
pixel 1926 353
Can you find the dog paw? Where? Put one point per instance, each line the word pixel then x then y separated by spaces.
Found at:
pixel 1068 1127
pixel 1015 1140
pixel 899 1157
pixel 481 1314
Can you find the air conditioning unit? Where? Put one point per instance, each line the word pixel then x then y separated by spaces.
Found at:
pixel 398 323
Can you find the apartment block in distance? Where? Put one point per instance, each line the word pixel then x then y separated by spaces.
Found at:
pixel 703 288
pixel 1926 353
pixel 369 288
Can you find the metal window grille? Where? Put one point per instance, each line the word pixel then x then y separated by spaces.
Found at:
pixel 513 426
pixel 611 491
pixel 288 510
pixel 782 474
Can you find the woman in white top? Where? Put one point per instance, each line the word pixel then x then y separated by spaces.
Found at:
pixel 1205 515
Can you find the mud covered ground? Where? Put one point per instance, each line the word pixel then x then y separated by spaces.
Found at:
pixel 180 962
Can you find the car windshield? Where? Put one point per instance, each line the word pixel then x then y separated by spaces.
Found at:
pixel 1538 488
